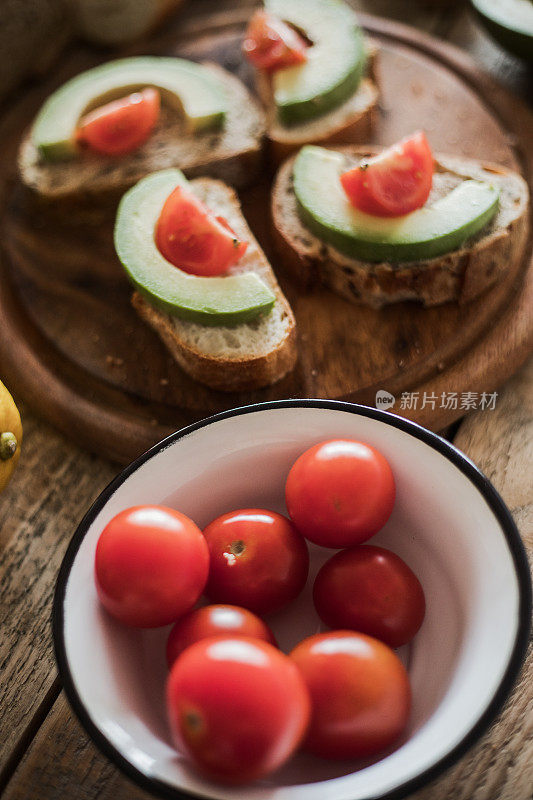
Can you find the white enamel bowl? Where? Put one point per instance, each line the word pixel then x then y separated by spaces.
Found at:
pixel 448 524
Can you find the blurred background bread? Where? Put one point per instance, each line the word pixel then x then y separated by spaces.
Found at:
pixel 113 22
pixel 34 32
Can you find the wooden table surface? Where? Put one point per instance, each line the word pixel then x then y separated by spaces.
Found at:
pixel 44 754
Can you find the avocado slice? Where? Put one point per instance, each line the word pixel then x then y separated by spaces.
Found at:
pixel 190 87
pixel 335 64
pixel 510 23
pixel 428 232
pixel 228 300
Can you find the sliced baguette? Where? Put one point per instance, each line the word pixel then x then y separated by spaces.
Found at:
pixel 460 275
pixel 243 357
pixel 352 122
pixel 232 154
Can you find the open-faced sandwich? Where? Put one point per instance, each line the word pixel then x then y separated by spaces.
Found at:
pixel 107 128
pixel 382 226
pixel 315 73
pixel 203 283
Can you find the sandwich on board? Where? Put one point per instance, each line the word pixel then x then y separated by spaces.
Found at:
pixel 203 283
pixel 107 128
pixel 380 227
pixel 377 226
pixel 315 72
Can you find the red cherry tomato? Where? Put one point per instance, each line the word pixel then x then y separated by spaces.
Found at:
pixel 360 694
pixel 257 560
pixel 370 590
pixel 340 493
pixel 210 621
pixel 271 44
pixel 122 125
pixel 237 707
pixel 151 566
pixel 395 182
pixel 190 237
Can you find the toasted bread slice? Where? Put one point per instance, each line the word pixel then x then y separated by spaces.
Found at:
pixel 232 154
pixel 460 275
pixel 247 356
pixel 352 122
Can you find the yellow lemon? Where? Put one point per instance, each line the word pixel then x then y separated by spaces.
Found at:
pixel 10 436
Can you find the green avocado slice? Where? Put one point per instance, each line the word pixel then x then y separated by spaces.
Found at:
pixel 190 87
pixel 428 232
pixel 335 61
pixel 210 301
pixel 510 23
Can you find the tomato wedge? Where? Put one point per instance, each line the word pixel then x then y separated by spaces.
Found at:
pixel 271 44
pixel 192 238
pixel 122 125
pixel 395 182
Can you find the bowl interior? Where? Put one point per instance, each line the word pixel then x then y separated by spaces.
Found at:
pixel 441 526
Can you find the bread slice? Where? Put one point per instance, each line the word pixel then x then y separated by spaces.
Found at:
pixel 352 122
pixel 460 275
pixel 247 356
pixel 232 154
pixel 122 22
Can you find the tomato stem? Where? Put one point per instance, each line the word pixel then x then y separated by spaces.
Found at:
pixel 237 548
pixel 8 445
pixel 193 721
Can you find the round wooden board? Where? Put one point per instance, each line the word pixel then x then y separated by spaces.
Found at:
pixel 72 346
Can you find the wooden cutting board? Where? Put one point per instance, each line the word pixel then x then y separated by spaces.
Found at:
pixel 72 346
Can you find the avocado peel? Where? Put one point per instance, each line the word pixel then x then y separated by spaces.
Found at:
pixel 227 300
pixel 434 230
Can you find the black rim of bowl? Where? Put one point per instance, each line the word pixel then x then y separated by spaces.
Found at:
pixel 489 493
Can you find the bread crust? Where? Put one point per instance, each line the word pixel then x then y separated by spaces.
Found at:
pixel 458 276
pixel 351 123
pixel 229 374
pixel 233 155
pixel 357 127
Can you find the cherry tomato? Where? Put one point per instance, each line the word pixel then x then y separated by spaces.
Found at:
pixel 360 694
pixel 370 590
pixel 122 125
pixel 271 44
pixel 395 182
pixel 340 492
pixel 190 237
pixel 210 621
pixel 257 560
pixel 237 707
pixel 151 565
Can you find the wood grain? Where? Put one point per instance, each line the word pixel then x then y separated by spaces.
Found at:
pixel 71 761
pixel 52 485
pixel 65 300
